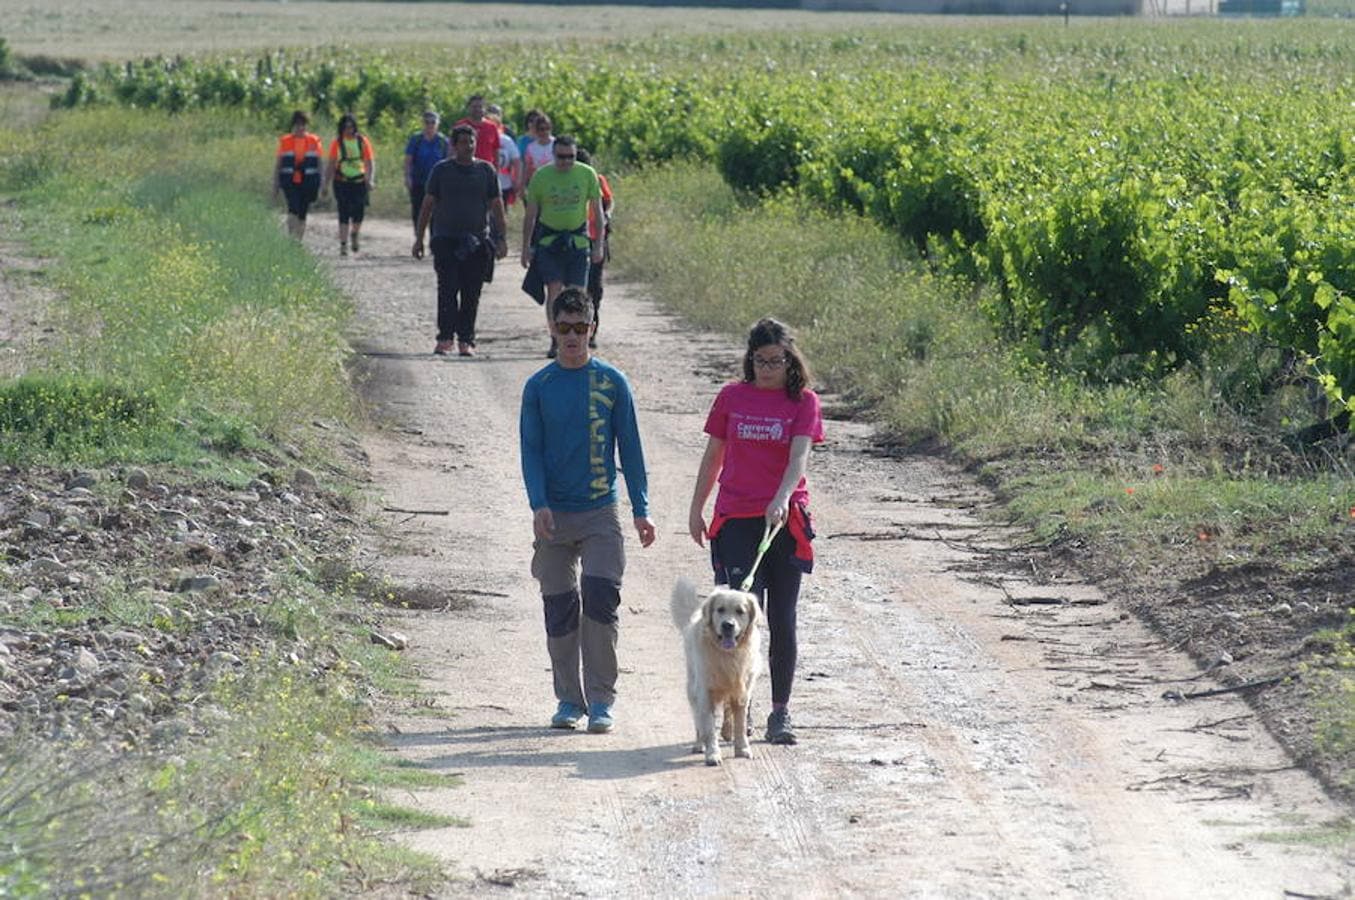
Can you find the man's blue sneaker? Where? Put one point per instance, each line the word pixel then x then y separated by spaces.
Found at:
pixel 599 718
pixel 567 715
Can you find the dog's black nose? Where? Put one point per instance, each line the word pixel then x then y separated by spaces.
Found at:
pixel 727 627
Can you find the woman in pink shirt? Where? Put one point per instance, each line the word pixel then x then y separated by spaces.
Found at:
pixel 759 434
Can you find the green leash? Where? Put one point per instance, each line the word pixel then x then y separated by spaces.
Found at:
pixel 768 533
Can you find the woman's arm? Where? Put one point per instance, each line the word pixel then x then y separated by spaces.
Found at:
pixel 712 461
pixel 779 508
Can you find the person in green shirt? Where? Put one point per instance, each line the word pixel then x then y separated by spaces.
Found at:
pixel 555 225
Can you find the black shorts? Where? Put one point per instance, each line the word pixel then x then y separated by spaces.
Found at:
pixel 351 197
pixel 298 200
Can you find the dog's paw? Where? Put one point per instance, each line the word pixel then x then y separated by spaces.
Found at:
pixel 713 760
pixel 744 752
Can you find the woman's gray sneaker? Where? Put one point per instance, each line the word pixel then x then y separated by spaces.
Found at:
pixel 779 729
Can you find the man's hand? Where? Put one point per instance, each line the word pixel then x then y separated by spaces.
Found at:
pixel 526 257
pixel 501 248
pixel 597 254
pixel 696 527
pixel 645 528
pixel 543 524
pixel 418 248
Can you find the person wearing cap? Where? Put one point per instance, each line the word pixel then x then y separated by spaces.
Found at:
pixel 424 150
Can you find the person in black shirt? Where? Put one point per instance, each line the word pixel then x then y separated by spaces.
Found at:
pixel 469 232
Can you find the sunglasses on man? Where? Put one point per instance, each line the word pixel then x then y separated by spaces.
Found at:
pixel 576 327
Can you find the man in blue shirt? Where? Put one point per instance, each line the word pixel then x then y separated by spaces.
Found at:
pixel 578 413
pixel 424 151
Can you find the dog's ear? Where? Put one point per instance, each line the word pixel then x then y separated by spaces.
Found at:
pixel 753 611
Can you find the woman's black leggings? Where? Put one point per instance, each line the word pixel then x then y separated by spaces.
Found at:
pixel 351 197
pixel 777 585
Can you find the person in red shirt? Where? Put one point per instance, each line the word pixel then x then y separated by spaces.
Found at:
pixel 598 233
pixel 296 173
pixel 486 131
pixel 759 431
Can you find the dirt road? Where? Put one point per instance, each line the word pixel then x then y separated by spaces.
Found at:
pixel 969 727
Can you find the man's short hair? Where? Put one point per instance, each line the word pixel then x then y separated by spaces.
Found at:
pixel 572 300
pixel 431 115
pixel 494 108
pixel 565 140
pixel 474 97
pixel 462 131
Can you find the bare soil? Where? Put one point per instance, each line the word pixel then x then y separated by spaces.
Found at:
pixel 969 726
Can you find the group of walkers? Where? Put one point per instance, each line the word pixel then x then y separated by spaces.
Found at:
pixel 351 173
pixel 460 188
pixel 578 413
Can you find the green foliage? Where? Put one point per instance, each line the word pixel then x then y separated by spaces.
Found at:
pixel 762 157
pixel 10 67
pixel 69 416
pixel 268 799
pixel 1112 189
pixel 1335 676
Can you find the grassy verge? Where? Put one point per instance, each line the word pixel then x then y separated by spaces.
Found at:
pixel 177 288
pixel 275 793
pixel 1174 479
pixel 192 335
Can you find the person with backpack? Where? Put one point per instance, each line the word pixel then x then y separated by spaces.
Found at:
pixel 352 172
pixel 424 150
pixel 555 224
pixel 296 173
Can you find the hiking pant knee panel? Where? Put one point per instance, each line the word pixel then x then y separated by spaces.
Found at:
pixel 562 613
pixel 601 599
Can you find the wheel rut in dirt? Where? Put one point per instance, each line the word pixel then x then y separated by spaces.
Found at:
pixel 967 729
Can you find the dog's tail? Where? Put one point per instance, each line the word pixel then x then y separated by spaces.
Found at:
pixel 685 602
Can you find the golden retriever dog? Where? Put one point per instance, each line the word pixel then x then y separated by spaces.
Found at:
pixel 723 658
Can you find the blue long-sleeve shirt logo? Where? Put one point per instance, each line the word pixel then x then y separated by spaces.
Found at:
pixel 601 393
